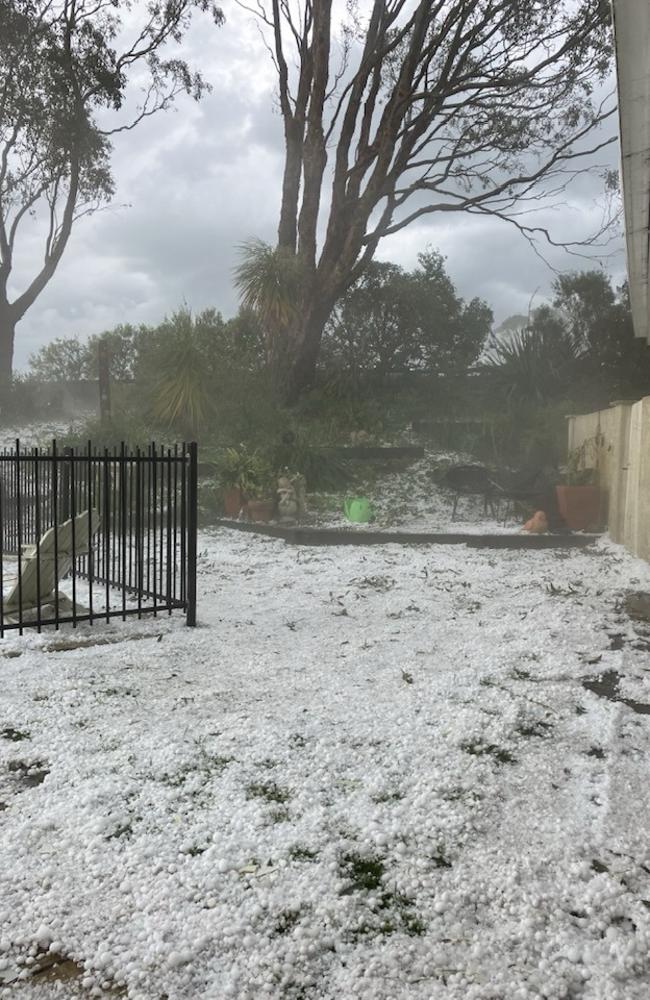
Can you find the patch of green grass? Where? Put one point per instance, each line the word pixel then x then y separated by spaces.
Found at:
pixel 174 780
pixel 208 765
pixel 217 764
pixel 387 797
pixel 287 920
pixel 279 816
pixel 122 830
pixel 537 728
pixel 440 858
pixel 556 591
pixel 30 773
pixel 299 853
pixel 15 735
pixel 194 851
pixel 381 584
pixel 267 790
pixel 348 785
pixel 478 749
pixel 391 913
pixel 454 794
pixel 361 873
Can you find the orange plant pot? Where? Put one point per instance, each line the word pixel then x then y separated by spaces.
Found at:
pixel 581 507
pixel 260 510
pixel 232 502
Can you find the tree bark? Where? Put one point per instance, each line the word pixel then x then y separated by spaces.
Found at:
pixel 288 227
pixel 7 337
pixel 306 338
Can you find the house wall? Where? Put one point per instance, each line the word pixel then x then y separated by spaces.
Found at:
pixel 616 442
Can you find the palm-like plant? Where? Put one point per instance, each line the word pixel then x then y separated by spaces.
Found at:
pixel 181 394
pixel 269 281
pixel 536 363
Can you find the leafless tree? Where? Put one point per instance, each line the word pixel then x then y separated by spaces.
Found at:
pixel 399 109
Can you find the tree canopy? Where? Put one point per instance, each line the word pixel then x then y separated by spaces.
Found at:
pixel 582 344
pixel 394 321
pixel 69 74
pixel 407 109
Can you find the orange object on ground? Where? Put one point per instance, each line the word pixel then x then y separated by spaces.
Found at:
pixel 537 524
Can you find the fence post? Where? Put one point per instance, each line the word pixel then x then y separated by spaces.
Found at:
pixel 192 525
pixel 66 484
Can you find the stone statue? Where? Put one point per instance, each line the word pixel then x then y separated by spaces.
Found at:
pixel 287 502
pixel 292 497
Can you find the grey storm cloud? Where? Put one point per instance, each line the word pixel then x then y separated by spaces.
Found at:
pixel 194 183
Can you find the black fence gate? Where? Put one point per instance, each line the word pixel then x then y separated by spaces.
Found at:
pixel 89 536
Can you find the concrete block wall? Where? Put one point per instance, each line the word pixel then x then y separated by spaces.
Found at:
pixel 616 442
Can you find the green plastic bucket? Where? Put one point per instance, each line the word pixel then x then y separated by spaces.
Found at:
pixel 358 509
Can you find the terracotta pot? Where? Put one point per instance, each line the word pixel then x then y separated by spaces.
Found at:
pixel 260 510
pixel 581 507
pixel 232 502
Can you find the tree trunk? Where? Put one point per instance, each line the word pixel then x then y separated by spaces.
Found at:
pixel 306 338
pixel 7 335
pixel 287 230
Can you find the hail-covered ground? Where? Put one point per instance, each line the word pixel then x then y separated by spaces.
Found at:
pixel 409 496
pixel 370 773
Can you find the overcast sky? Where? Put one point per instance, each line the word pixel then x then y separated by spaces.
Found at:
pixel 193 184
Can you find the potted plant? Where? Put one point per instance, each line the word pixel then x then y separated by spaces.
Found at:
pixel 239 472
pixel 261 498
pixel 580 499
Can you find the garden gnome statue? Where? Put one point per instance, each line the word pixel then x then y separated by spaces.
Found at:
pixel 287 501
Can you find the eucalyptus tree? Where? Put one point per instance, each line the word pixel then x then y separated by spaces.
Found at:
pixel 398 110
pixel 73 74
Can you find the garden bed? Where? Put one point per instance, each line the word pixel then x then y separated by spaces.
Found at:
pixel 354 536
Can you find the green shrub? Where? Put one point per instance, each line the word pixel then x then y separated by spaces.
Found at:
pixel 130 427
pixel 245 470
pixel 322 470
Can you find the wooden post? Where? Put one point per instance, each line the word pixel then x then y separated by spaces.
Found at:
pixel 103 371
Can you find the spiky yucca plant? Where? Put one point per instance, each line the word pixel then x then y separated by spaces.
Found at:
pixel 181 396
pixel 534 364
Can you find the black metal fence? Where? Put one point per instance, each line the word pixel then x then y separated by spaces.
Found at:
pixel 88 537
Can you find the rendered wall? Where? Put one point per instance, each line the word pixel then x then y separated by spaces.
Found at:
pixel 616 441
